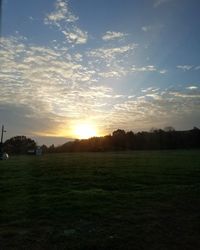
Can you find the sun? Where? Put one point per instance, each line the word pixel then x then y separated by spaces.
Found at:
pixel 85 131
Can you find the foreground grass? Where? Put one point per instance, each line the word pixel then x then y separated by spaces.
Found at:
pixel 134 200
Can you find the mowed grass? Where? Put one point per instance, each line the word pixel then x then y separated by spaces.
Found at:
pixel 126 200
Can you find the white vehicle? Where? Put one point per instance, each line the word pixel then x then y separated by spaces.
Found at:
pixel 4 156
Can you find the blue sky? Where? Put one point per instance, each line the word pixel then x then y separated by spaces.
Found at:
pixel 131 64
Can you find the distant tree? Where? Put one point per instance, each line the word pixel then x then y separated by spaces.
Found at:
pixel 153 129
pixel 119 139
pixel 19 145
pixel 130 140
pixel 51 149
pixel 169 129
pixel 44 148
pixel 119 132
pixel 155 139
pixel 195 129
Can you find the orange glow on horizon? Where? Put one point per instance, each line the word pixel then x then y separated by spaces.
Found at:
pixel 76 130
pixel 84 131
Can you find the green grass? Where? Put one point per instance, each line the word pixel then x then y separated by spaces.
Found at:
pixel 130 200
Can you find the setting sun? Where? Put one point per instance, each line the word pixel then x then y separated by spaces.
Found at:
pixel 84 131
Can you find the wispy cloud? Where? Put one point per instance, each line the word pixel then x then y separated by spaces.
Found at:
pixel 183 95
pixel 197 67
pixel 192 87
pixel 152 27
pixel 163 71
pixel 184 67
pixel 111 35
pixel 76 36
pixel 112 53
pixel 61 13
pixel 112 74
pixel 110 62
pixel 148 68
pixel 48 81
pixel 158 107
pixel 66 22
pixel 50 87
pixel 150 90
pixel 157 3
pixel 147 28
pixel 53 84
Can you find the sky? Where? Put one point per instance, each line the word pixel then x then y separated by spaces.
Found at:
pixel 129 64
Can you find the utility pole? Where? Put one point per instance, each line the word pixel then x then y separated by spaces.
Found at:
pixel 3 155
pixel 1 145
pixel 2 131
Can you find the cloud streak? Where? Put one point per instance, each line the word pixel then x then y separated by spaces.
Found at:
pixel 53 84
pixel 184 67
pixel 55 87
pixel 112 35
pixel 158 107
pixel 61 13
pixel 66 22
pixel 158 3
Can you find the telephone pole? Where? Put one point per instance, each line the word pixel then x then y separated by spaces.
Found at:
pixel 3 155
pixel 2 132
pixel 1 145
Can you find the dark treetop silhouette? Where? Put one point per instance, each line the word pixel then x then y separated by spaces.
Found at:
pixel 156 139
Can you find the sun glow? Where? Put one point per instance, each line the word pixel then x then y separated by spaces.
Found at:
pixel 84 131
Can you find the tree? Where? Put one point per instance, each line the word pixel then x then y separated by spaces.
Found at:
pixel 169 129
pixel 51 149
pixel 19 145
pixel 44 148
pixel 119 139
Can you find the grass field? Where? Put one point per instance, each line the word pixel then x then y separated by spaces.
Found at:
pixel 134 200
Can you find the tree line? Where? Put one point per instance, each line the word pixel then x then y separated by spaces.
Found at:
pixel 119 140
pixel 156 139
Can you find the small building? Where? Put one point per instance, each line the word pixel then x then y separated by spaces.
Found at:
pixel 37 151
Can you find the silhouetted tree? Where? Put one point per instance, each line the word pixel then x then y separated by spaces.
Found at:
pixel 44 148
pixel 119 139
pixel 169 129
pixel 51 149
pixel 19 145
pixel 156 139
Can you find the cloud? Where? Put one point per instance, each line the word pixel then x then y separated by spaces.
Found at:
pixel 66 21
pixel 149 68
pixel 158 107
pixel 50 82
pixel 111 35
pixel 188 67
pixel 147 28
pixel 197 67
pixel 154 96
pixel 192 95
pixel 111 53
pixel 54 85
pixel 152 28
pixel 157 3
pixel 76 36
pixel 111 62
pixel 61 13
pixel 52 88
pixel 163 71
pixel 192 87
pixel 150 90
pixel 184 67
pixel 25 123
pixel 111 74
